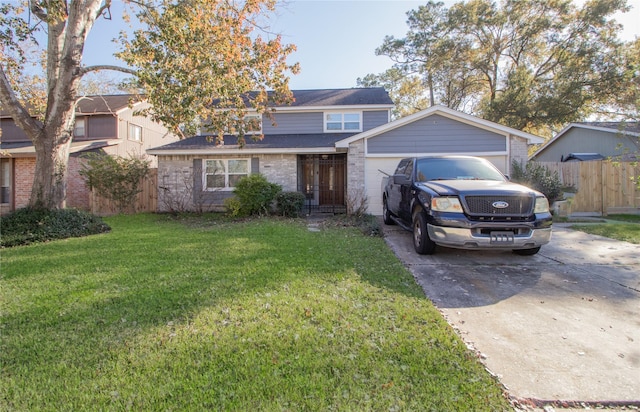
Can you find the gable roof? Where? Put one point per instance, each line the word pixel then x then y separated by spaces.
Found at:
pixel 446 112
pixel 627 128
pixel 107 104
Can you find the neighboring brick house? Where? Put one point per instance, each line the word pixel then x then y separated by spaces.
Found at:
pixel 106 123
pixel 331 145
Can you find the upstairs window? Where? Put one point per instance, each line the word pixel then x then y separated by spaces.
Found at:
pixel 135 133
pixel 79 128
pixel 253 123
pixel 224 173
pixel 343 122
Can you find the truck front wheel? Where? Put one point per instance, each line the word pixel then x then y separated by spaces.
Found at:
pixel 422 243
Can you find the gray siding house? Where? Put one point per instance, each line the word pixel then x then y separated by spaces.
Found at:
pixel 584 140
pixel 333 146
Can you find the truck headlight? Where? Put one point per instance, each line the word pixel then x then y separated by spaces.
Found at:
pixel 542 205
pixel 446 204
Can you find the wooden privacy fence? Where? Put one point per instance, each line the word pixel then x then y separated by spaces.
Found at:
pixel 603 187
pixel 146 200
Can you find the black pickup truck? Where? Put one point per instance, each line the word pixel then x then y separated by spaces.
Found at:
pixel 464 202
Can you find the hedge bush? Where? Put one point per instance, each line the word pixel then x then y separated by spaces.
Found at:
pixel 290 204
pixel 29 225
pixel 538 177
pixel 256 195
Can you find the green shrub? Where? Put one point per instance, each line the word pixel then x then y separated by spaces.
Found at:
pixel 233 206
pixel 28 225
pixel 538 177
pixel 256 194
pixel 115 178
pixel 290 204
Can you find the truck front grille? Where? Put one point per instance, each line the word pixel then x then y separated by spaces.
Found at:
pixel 499 205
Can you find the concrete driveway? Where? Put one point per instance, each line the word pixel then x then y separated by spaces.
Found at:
pixel 563 325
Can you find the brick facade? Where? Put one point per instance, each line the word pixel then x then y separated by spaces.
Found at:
pixel 281 169
pixel 356 169
pixel 24 169
pixel 519 151
pixel 177 191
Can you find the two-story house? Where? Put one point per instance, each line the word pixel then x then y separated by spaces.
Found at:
pixel 106 123
pixel 333 145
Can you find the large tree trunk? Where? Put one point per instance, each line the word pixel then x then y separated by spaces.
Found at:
pixel 50 178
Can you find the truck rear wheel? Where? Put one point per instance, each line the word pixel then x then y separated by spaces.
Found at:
pixel 386 215
pixel 422 243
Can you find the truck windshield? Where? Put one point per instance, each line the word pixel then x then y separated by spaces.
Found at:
pixel 456 169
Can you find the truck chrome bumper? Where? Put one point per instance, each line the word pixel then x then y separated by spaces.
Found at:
pixel 462 238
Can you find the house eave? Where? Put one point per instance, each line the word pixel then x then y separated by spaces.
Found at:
pixel 76 147
pixel 243 151
pixel 360 107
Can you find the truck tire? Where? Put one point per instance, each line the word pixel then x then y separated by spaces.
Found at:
pixel 386 215
pixel 422 243
pixel 527 252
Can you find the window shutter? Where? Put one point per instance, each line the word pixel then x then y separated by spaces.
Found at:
pixel 197 176
pixel 255 165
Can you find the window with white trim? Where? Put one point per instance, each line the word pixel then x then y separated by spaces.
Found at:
pixel 343 122
pixel 221 174
pixel 135 132
pixel 254 123
pixel 79 128
pixel 251 124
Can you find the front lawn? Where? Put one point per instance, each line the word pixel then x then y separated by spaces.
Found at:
pixel 205 314
pixel 619 227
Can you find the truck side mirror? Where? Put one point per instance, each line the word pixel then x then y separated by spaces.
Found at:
pixel 400 179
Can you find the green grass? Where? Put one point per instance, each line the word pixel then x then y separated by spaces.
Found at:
pixel 625 218
pixel 628 232
pixel 628 228
pixel 205 314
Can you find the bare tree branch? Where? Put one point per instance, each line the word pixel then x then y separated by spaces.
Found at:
pixel 97 68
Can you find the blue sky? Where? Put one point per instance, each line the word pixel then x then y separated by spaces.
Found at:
pixel 336 39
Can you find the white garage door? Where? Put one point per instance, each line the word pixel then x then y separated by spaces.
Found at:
pixel 373 177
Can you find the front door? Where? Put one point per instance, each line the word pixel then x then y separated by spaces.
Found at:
pixel 332 180
pixel 323 180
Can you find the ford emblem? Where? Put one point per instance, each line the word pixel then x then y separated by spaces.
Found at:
pixel 501 204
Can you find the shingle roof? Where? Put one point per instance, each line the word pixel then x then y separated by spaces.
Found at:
pixel 333 97
pixel 106 103
pixel 630 127
pixel 310 98
pixel 342 97
pixel 99 104
pixel 282 141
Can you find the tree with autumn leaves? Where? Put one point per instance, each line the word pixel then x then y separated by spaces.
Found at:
pixel 202 64
pixel 531 65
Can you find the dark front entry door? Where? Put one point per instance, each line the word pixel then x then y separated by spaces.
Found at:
pixel 332 180
pixel 323 179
